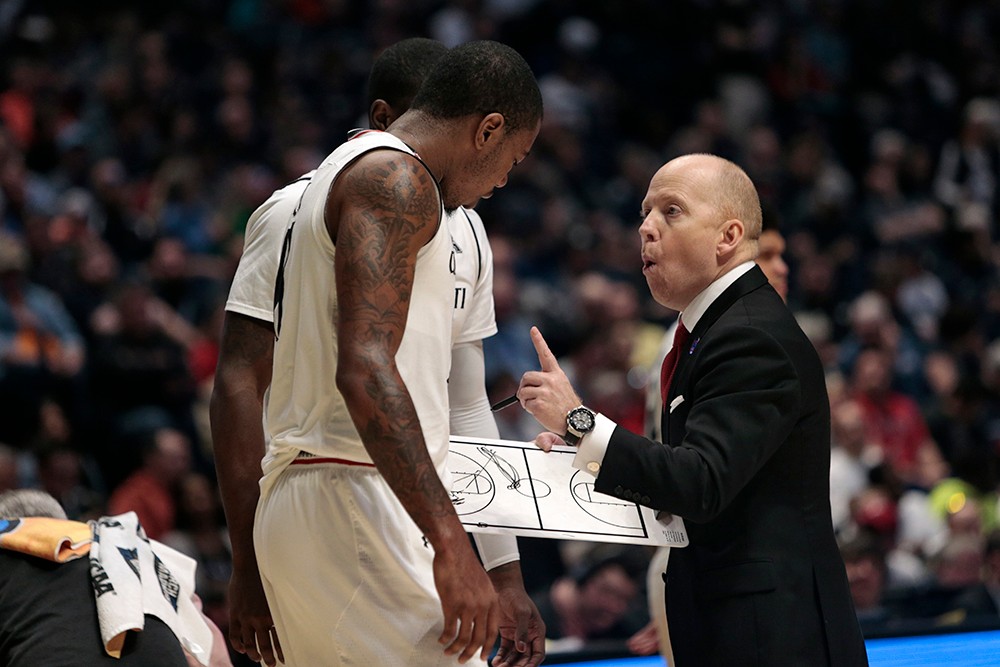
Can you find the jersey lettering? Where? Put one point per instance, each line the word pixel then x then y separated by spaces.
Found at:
pixel 460 298
pixel 455 250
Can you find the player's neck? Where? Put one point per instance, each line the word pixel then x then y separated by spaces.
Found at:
pixel 428 138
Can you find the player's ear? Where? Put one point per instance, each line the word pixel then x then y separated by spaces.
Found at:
pixel 380 115
pixel 490 129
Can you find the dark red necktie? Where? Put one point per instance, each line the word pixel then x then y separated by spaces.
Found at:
pixel 681 336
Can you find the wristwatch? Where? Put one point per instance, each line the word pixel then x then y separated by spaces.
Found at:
pixel 579 422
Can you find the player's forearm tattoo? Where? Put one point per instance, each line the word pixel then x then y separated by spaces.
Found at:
pixel 376 254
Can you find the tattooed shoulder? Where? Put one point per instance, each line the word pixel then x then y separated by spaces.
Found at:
pixel 394 186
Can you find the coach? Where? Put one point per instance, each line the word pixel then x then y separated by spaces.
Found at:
pixel 747 424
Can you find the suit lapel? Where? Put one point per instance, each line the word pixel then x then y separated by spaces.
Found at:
pixel 748 282
pixel 751 280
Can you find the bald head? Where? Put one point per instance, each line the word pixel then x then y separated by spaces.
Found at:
pixel 728 186
pixel 701 218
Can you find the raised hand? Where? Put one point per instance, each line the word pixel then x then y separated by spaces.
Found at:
pixel 547 394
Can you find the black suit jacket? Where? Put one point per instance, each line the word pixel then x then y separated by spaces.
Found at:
pixel 762 582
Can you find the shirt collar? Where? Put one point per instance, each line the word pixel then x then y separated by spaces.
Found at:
pixel 700 303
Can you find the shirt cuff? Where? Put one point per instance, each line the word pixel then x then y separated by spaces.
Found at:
pixel 593 446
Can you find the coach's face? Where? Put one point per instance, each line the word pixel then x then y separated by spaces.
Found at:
pixel 681 230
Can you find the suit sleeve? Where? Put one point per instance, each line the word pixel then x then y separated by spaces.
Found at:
pixel 741 403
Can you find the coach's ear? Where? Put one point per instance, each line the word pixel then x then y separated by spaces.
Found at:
pixel 490 130
pixel 730 237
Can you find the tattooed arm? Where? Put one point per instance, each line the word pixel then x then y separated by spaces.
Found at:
pixel 380 213
pixel 242 375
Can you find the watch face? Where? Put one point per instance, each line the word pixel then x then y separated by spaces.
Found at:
pixel 581 420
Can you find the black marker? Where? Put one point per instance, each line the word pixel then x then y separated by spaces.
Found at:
pixel 500 405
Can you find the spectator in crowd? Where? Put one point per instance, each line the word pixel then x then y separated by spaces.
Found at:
pixel 10 476
pixel 959 562
pixel 892 420
pixel 968 168
pixel 175 280
pixel 63 473
pixel 771 255
pixel 956 591
pixel 138 369
pixel 152 490
pixel 873 325
pixel 920 522
pixel 963 418
pixel 88 296
pixel 984 601
pixel 852 459
pixel 875 511
pixel 596 602
pixel 867 574
pixel 41 352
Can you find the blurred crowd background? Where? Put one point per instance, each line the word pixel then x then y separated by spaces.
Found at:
pixel 136 138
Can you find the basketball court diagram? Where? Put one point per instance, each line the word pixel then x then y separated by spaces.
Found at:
pixel 502 486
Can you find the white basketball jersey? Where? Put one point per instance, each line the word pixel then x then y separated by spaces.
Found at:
pixel 252 291
pixel 305 411
pixel 475 318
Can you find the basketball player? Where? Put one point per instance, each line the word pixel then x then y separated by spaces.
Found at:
pixel 248 338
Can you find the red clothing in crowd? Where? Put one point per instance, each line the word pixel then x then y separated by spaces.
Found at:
pixel 152 502
pixel 895 423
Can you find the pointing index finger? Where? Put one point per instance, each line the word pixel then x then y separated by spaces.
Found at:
pixel 545 356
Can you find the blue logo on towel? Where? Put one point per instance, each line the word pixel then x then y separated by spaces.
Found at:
pixel 9 525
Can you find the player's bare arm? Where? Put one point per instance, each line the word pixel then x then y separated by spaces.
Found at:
pixel 386 208
pixel 242 376
pixel 391 211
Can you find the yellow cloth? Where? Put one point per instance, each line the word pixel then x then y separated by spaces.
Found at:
pixel 57 540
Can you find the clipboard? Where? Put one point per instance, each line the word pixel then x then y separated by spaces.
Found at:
pixel 506 486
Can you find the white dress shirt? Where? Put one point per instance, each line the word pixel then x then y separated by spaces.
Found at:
pixel 593 446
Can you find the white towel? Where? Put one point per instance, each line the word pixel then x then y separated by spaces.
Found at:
pixel 133 576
